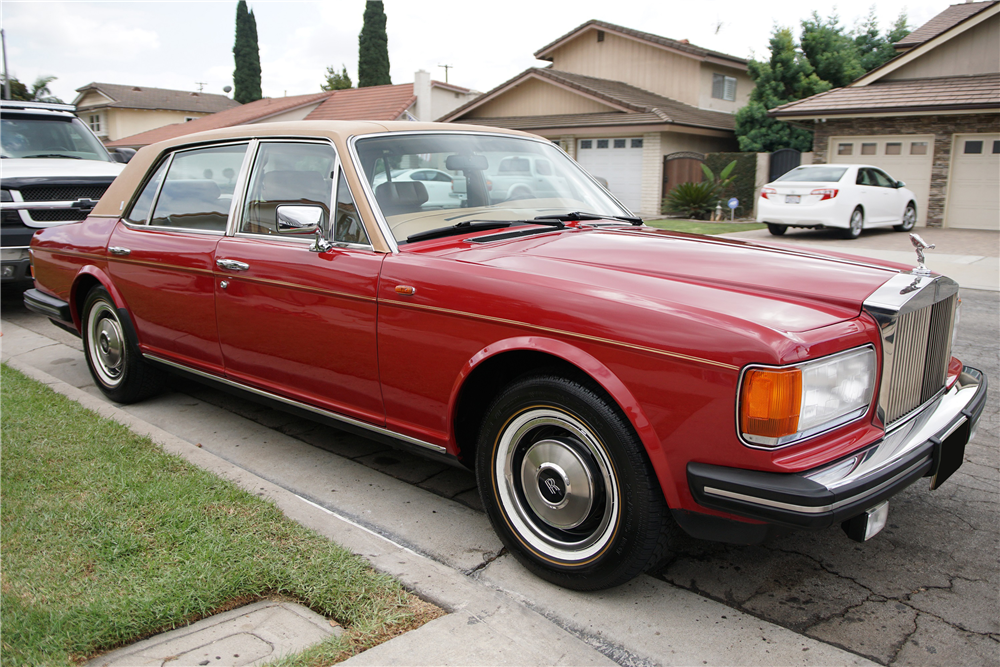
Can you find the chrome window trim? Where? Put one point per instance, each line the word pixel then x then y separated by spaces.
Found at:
pixel 233 230
pixel 303 406
pixel 816 430
pixel 369 193
pixel 156 195
pixel 240 190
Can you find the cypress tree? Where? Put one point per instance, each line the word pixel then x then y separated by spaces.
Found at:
pixel 246 76
pixel 373 47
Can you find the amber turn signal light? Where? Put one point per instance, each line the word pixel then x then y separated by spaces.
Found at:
pixel 772 401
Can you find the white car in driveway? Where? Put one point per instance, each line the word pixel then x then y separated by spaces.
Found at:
pixel 437 183
pixel 850 197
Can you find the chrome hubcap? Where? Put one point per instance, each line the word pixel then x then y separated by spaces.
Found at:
pixel 856 222
pixel 106 344
pixel 556 486
pixel 909 217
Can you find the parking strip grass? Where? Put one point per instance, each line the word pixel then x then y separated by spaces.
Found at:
pixel 702 227
pixel 107 540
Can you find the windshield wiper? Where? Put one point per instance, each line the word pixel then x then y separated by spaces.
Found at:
pixel 71 157
pixel 580 215
pixel 460 228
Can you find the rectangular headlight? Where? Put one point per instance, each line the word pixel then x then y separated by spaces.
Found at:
pixel 779 406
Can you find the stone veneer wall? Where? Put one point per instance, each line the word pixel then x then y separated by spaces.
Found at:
pixel 942 127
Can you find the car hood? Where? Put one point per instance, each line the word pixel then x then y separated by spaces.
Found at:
pixel 58 167
pixel 782 288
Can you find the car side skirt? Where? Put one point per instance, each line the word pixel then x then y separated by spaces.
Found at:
pixel 339 421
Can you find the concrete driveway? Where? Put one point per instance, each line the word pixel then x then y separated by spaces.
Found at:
pixel 923 592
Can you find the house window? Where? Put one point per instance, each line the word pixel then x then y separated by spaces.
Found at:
pixel 619 143
pixel 637 143
pixel 188 119
pixel 602 143
pixel 723 87
pixel 894 149
pixel 973 147
pixel 996 147
pixel 918 148
pixel 95 123
pixel 868 149
pixel 600 35
pixel 587 143
pixel 845 149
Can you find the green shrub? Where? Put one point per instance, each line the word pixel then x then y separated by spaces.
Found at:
pixel 741 179
pixel 692 200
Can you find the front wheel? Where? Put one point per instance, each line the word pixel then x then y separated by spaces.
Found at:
pixel 567 485
pixel 909 219
pixel 113 359
pixel 857 223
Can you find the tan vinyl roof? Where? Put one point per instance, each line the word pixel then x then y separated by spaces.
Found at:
pixel 143 97
pixel 944 21
pixel 953 93
pixel 679 45
pixel 643 106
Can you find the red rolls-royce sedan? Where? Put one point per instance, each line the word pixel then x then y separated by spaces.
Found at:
pixel 611 384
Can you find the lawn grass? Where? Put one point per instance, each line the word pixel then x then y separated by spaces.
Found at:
pixel 107 540
pixel 700 227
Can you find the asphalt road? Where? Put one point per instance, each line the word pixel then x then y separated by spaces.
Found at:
pixel 924 592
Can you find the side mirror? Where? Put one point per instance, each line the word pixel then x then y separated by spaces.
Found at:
pixel 299 220
pixel 900 184
pixel 122 155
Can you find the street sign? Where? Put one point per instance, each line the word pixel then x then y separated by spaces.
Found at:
pixel 734 202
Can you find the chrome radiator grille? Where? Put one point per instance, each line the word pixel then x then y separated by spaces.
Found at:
pixel 917 349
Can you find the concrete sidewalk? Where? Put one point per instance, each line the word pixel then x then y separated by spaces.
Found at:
pixel 970 257
pixel 499 614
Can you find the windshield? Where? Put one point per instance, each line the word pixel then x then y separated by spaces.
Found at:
pixel 438 179
pixel 822 174
pixel 28 136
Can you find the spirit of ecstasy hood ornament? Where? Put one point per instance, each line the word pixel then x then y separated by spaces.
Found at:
pixel 920 246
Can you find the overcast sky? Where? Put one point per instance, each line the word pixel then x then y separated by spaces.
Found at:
pixel 178 44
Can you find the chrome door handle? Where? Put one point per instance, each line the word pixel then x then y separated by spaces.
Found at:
pixel 231 265
pixel 117 250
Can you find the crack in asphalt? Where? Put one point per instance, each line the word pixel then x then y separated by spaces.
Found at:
pixel 488 558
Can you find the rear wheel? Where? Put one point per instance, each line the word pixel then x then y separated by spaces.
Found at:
pixel 776 230
pixel 567 485
pixel 909 219
pixel 112 357
pixel 857 223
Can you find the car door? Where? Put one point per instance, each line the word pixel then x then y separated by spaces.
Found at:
pixel 161 253
pixel 293 321
pixel 892 202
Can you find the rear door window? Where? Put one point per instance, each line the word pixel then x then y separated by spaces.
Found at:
pixel 197 192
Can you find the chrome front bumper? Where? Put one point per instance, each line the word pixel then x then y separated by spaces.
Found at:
pixel 931 443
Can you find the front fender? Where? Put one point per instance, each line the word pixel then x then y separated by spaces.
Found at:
pixel 590 365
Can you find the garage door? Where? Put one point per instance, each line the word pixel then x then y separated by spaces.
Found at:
pixel 973 199
pixel 617 160
pixel 906 158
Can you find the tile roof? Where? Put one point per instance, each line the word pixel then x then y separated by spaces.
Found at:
pixel 567 120
pixel 943 22
pixel 680 45
pixel 937 95
pixel 652 107
pixel 371 103
pixel 141 97
pixel 246 113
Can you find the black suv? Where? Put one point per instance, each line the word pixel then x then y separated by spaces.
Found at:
pixel 54 171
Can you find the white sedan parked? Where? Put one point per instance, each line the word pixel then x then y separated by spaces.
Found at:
pixel 850 197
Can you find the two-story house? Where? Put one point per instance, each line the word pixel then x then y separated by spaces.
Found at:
pixel 114 111
pixel 930 117
pixel 634 108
